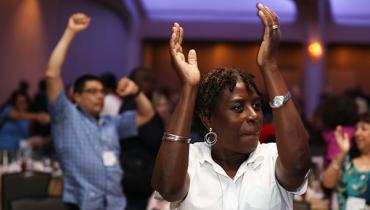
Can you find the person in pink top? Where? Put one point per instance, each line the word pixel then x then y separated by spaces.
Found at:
pixel 332 147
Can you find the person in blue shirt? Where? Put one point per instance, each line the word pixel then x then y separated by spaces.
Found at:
pixel 15 121
pixel 87 144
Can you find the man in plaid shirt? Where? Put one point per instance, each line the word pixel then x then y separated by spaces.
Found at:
pixel 86 143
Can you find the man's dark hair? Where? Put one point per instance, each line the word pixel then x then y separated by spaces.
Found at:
pixel 213 84
pixel 79 84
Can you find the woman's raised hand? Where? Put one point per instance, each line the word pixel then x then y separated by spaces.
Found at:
pixel 267 53
pixel 187 71
pixel 343 140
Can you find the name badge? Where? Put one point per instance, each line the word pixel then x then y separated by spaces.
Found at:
pixel 354 203
pixel 109 158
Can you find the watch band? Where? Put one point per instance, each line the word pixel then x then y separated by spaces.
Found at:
pixel 279 101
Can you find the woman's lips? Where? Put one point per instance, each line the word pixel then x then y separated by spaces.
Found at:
pixel 251 133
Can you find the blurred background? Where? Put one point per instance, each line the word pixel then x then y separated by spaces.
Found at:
pixel 128 33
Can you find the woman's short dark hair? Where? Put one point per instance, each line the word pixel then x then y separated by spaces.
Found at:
pixel 79 84
pixel 364 118
pixel 213 84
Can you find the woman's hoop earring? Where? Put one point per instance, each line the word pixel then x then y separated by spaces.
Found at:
pixel 210 138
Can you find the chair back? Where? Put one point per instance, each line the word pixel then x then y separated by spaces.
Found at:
pixel 23 185
pixel 39 204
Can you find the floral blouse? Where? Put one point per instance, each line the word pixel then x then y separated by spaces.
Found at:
pixel 353 183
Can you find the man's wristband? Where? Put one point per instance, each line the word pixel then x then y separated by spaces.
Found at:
pixel 137 93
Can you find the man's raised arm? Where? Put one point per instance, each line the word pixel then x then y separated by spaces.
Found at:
pixel 77 22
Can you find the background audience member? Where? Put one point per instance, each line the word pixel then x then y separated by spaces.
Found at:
pixel 23 87
pixel 112 102
pixel 336 110
pixel 39 104
pixel 86 143
pixel 143 76
pixel 139 152
pixel 162 104
pixel 15 121
pixel 349 172
pixel 40 133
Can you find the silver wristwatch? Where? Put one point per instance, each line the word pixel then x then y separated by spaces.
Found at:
pixel 279 101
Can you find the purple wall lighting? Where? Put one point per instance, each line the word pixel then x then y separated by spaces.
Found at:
pixel 354 12
pixel 216 10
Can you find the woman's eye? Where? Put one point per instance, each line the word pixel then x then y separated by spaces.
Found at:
pixel 257 105
pixel 238 108
pixel 365 128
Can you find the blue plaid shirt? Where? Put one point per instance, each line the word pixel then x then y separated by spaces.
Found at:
pixel 80 141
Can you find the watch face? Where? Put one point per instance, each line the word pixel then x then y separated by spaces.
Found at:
pixel 278 100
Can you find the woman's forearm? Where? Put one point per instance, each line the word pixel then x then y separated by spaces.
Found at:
pixel 171 166
pixel 291 135
pixel 333 172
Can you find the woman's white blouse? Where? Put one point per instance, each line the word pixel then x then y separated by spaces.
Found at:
pixel 254 186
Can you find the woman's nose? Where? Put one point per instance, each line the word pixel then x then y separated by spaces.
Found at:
pixel 357 132
pixel 251 113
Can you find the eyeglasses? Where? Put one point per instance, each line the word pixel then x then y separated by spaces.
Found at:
pixel 95 91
